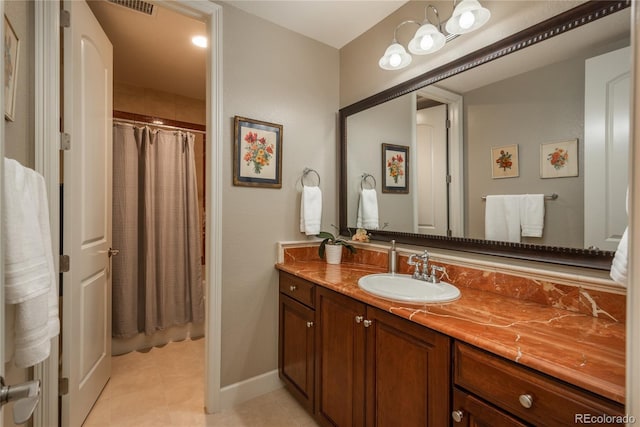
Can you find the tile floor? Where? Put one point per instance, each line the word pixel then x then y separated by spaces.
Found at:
pixel 165 387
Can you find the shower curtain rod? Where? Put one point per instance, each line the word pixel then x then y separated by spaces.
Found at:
pixel 138 122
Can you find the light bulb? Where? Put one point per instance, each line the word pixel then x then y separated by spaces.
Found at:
pixel 395 60
pixel 426 42
pixel 466 20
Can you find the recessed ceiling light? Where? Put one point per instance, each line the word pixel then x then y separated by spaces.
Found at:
pixel 200 41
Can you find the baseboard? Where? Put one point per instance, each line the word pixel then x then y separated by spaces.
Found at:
pixel 242 391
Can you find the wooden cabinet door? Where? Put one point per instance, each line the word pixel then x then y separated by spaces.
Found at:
pixel 340 341
pixel 296 353
pixel 468 411
pixel 408 379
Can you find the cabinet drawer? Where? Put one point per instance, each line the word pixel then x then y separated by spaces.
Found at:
pixel 297 288
pixel 513 387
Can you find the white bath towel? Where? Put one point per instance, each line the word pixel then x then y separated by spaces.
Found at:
pixel 310 210
pixel 30 280
pixel 368 209
pixel 532 215
pixel 502 218
pixel 620 259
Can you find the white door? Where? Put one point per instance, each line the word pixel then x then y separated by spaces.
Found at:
pixel 431 167
pixel 86 326
pixel 606 142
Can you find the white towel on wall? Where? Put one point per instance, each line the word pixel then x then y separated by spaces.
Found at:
pixel 532 215
pixel 368 209
pixel 620 259
pixel 310 210
pixel 502 218
pixel 30 279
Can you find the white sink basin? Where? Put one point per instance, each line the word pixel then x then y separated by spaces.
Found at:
pixel 402 287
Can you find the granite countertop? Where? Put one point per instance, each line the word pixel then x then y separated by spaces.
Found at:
pixel 580 349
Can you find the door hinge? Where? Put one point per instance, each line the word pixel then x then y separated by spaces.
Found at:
pixel 63 386
pixel 65 18
pixel 65 263
pixel 448 124
pixel 449 233
pixel 448 179
pixel 65 141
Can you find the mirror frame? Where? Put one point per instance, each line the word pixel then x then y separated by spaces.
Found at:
pixel 559 24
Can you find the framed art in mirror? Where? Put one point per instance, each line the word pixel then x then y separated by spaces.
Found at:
pixel 395 168
pixel 257 153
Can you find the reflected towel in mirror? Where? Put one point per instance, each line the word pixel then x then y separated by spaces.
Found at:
pixel 368 209
pixel 620 259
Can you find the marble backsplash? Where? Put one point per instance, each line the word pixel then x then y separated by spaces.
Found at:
pixel 567 296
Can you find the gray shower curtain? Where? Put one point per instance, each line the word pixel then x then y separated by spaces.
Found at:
pixel 157 277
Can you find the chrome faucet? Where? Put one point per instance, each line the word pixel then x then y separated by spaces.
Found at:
pixel 416 260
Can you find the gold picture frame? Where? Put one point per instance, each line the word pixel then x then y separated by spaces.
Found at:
pixel 11 61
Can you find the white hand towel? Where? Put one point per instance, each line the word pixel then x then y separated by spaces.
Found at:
pixel 30 283
pixel 368 209
pixel 310 210
pixel 502 218
pixel 532 215
pixel 620 259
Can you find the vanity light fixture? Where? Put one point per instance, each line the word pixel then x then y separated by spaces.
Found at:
pixel 467 16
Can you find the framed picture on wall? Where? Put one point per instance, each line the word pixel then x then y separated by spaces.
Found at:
pixel 257 153
pixel 11 56
pixel 559 159
pixel 504 161
pixel 395 168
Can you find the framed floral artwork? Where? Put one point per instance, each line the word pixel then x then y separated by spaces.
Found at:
pixel 504 161
pixel 559 159
pixel 257 153
pixel 11 55
pixel 395 168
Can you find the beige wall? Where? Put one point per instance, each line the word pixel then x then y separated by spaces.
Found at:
pixel 19 134
pixel 278 76
pixel 360 75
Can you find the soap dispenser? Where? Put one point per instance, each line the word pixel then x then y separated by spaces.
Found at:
pixel 393 258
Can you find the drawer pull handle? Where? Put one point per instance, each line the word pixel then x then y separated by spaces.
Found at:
pixel 367 323
pixel 293 288
pixel 526 400
pixel 457 416
pixel 359 319
pixel 309 324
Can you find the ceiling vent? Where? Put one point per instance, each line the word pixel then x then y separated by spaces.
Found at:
pixel 137 5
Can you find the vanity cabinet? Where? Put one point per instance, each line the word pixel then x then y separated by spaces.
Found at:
pixel 518 392
pixel 296 338
pixel 376 369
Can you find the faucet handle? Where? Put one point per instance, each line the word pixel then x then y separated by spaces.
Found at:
pixel 411 261
pixel 434 268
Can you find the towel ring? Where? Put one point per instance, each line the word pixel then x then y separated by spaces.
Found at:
pixel 364 180
pixel 305 172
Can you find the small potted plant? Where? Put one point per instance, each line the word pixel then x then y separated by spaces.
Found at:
pixel 332 246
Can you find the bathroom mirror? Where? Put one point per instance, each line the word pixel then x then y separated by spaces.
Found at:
pixel 545 64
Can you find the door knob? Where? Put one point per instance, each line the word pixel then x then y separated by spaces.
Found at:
pixel 25 396
pixel 457 416
pixel 113 252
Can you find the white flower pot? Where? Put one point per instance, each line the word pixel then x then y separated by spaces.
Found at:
pixel 333 254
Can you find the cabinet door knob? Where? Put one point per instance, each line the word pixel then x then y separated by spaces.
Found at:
pixel 457 416
pixel 526 400
pixel 367 323
pixel 293 288
pixel 309 324
pixel 359 319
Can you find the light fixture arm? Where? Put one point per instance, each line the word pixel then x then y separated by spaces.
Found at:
pixel 426 16
pixel 395 32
